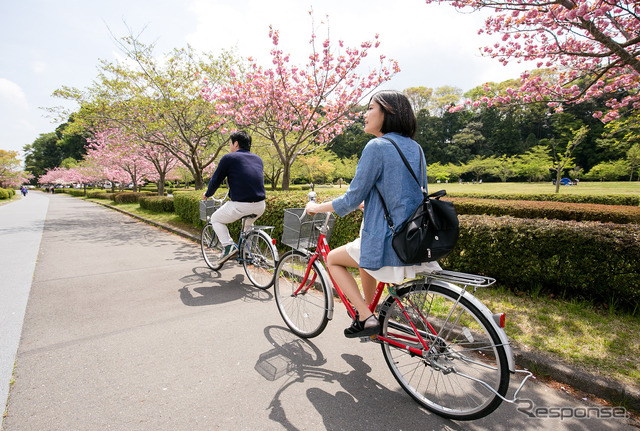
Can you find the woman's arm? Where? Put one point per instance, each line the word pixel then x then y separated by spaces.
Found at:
pixel 314 208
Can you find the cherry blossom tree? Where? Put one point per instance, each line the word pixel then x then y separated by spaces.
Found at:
pixel 592 45
pixel 121 156
pixel 298 109
pixel 11 175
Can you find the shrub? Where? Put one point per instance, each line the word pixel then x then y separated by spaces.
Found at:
pixel 128 197
pixel 4 193
pixel 592 260
pixel 76 192
pixel 550 210
pixel 157 203
pixel 557 197
pixel 98 194
pixel 525 249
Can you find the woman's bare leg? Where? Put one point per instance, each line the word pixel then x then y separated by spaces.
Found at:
pixel 338 261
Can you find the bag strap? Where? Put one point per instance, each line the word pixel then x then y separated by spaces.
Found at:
pixel 387 216
pixel 434 195
pixel 406 163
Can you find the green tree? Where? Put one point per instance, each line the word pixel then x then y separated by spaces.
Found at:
pixel 419 97
pixel 352 140
pixel 505 167
pixel 534 165
pixel 158 100
pixel 609 171
pixel 562 159
pixel 43 154
pixel 633 158
pixel 443 98
pixel 480 166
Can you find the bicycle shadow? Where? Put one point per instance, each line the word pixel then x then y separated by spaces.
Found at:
pixel 359 406
pixel 206 287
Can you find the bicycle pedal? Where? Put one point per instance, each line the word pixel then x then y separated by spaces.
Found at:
pixel 368 338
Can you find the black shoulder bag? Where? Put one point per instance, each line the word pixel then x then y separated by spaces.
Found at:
pixel 431 232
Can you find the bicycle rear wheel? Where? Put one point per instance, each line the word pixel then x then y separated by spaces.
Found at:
pixel 304 310
pixel 212 250
pixel 463 351
pixel 259 258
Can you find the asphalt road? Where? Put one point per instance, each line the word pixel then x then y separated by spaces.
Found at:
pixel 126 328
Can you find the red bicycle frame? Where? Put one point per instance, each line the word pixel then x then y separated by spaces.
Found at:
pixel 322 251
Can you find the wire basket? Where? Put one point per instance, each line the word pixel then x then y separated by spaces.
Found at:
pixel 207 208
pixel 303 234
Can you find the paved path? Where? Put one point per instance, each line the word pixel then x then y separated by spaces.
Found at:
pixel 21 224
pixel 126 329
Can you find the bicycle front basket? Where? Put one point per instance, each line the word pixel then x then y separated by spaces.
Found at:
pixel 303 234
pixel 207 208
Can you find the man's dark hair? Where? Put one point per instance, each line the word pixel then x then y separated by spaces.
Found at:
pixel 398 114
pixel 242 138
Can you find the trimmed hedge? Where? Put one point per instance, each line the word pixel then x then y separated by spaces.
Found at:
pixel 6 193
pixel 591 260
pixel 157 203
pixel 550 210
pixel 586 259
pixel 130 197
pixel 556 197
pixel 99 194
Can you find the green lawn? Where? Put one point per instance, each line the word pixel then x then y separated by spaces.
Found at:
pixel 585 188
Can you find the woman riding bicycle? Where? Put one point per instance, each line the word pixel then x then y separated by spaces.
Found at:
pixel 388 115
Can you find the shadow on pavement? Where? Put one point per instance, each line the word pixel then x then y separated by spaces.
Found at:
pixel 362 404
pixel 207 287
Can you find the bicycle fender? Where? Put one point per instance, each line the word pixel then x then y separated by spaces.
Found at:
pixel 322 272
pixel 332 291
pixel 486 313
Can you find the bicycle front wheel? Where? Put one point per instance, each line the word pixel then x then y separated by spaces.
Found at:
pixel 463 357
pixel 212 250
pixel 302 302
pixel 259 258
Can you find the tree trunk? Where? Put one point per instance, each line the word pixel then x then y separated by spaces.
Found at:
pixel 286 175
pixel 161 184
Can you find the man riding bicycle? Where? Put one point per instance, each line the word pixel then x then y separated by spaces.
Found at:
pixel 244 172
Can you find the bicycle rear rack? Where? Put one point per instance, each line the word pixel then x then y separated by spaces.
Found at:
pixel 460 278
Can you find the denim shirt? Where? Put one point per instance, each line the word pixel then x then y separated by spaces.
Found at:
pixel 381 166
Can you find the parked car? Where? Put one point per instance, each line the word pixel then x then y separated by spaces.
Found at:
pixel 564 182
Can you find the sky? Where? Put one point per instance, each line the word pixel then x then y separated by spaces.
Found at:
pixel 48 44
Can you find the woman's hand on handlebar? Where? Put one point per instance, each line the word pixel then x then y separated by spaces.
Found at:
pixel 313 208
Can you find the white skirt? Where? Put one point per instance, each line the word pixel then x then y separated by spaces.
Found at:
pixel 392 274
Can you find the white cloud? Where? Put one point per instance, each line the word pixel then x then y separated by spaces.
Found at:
pixel 11 93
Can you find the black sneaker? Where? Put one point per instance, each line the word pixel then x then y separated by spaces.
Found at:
pixel 358 329
pixel 229 251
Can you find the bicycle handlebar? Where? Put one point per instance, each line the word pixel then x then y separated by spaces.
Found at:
pixel 219 201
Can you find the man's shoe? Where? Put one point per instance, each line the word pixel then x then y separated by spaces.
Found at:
pixel 365 328
pixel 229 251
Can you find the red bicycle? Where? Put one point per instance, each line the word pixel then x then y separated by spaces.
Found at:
pixel 443 346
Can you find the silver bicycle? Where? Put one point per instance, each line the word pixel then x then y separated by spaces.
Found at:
pixel 256 249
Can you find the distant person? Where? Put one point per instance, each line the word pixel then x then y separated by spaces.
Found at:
pixel 244 172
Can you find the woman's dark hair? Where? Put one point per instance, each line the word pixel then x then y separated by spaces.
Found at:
pixel 242 138
pixel 398 114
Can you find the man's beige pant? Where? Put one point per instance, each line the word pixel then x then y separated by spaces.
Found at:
pixel 232 211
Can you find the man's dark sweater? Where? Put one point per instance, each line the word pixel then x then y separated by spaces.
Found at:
pixel 245 173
